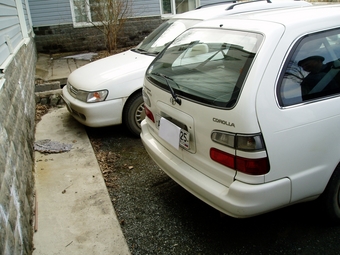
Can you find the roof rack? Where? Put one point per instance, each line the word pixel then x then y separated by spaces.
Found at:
pixel 236 3
pixel 232 6
pixel 217 3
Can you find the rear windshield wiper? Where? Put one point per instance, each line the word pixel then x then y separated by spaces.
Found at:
pixel 173 94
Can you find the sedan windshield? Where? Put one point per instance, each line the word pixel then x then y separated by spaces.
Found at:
pixel 206 65
pixel 163 35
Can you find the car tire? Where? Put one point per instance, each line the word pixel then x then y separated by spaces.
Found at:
pixel 134 113
pixel 331 197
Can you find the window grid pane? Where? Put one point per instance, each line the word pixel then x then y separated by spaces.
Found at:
pixel 166 7
pixel 185 5
pixel 177 6
pixel 80 10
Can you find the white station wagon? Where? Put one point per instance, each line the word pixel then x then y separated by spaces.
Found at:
pixel 109 91
pixel 244 111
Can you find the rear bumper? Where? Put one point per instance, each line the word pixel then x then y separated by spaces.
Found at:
pixel 240 200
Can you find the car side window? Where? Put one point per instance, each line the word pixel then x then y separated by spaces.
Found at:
pixel 313 69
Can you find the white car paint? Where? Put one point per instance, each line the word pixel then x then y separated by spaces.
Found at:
pixel 129 72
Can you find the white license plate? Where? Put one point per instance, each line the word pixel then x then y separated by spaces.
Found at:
pixel 173 134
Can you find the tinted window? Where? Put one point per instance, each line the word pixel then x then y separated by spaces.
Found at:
pixel 206 65
pixel 164 34
pixel 313 69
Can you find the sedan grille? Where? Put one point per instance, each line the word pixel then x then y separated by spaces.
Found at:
pixel 72 90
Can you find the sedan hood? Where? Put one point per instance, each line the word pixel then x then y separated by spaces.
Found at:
pixel 111 72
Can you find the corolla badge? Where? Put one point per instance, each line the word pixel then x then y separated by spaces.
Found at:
pixel 224 122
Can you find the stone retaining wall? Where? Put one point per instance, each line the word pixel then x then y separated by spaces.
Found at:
pixel 49 94
pixel 17 126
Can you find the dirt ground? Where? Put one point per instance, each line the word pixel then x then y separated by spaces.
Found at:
pixel 40 110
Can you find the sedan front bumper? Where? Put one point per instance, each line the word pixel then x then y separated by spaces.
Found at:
pixel 100 114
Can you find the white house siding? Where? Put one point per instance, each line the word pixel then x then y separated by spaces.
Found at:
pixel 27 14
pixel 50 12
pixel 58 12
pixel 144 8
pixel 10 32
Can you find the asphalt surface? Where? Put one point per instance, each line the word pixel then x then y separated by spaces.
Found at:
pixel 157 216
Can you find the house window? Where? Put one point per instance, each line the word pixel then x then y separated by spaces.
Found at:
pixel 98 12
pixel 89 12
pixel 84 11
pixel 170 7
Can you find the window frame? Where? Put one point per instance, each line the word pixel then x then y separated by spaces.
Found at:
pixel 173 8
pixel 88 15
pixel 288 64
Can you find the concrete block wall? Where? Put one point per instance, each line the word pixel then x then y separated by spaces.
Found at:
pixel 66 38
pixel 17 126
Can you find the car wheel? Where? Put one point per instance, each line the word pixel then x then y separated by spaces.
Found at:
pixel 331 197
pixel 134 113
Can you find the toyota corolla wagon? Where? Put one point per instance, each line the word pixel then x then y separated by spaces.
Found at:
pixel 244 111
pixel 109 91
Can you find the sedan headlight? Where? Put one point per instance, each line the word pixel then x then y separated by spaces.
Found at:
pixel 92 97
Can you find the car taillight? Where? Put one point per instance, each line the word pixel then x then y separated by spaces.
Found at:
pixel 252 166
pixel 222 157
pixel 252 142
pixel 243 142
pixel 149 114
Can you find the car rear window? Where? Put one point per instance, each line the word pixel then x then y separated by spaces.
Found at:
pixel 206 65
